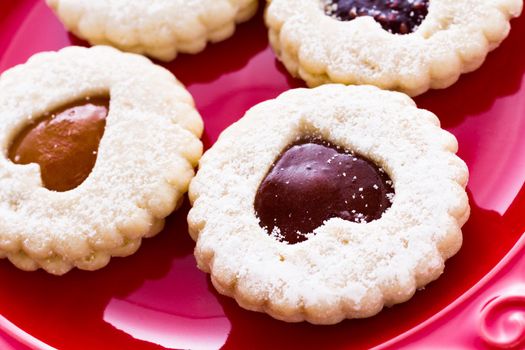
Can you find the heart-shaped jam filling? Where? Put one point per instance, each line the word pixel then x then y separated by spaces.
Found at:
pixel 313 181
pixel 395 16
pixel 64 143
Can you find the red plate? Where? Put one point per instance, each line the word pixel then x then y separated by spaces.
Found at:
pixel 158 298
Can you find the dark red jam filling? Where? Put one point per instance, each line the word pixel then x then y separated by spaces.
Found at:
pixel 395 16
pixel 64 143
pixel 313 181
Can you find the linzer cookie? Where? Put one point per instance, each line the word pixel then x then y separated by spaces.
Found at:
pixel 98 148
pixel 157 28
pixel 405 45
pixel 328 203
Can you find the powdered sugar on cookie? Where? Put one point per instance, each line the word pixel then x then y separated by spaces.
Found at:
pixel 157 28
pixel 411 52
pixel 144 162
pixel 342 269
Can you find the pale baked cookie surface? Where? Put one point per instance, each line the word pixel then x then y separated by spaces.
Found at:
pixel 345 269
pixel 145 159
pixel 444 40
pixel 157 28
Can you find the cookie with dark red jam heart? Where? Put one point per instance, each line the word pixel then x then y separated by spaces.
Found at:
pixel 404 45
pixel 328 203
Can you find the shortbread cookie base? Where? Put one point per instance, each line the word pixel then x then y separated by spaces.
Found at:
pixel 157 28
pixel 347 270
pixel 144 164
pixel 454 38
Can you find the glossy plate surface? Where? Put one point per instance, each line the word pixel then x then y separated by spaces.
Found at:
pixel 158 299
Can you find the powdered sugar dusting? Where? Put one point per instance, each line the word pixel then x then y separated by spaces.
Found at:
pixel 322 50
pixel 348 269
pixel 116 206
pixel 157 28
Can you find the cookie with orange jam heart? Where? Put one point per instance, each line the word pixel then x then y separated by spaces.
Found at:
pixel 99 147
pixel 156 28
pixel 328 203
pixel 405 45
